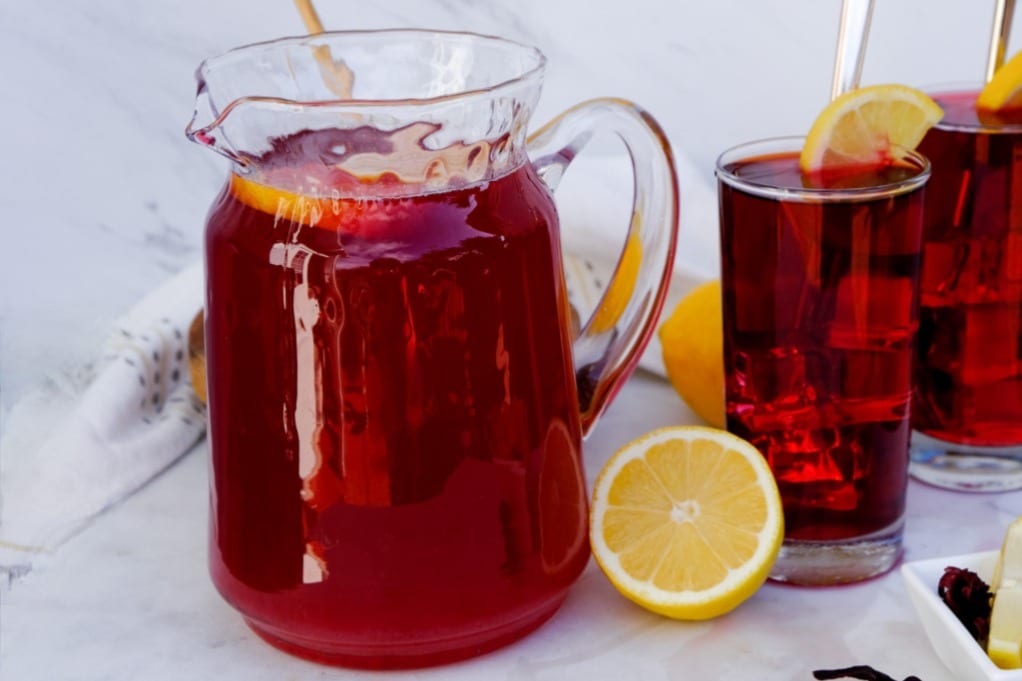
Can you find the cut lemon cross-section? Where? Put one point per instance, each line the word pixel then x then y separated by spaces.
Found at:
pixel 1004 91
pixel 871 126
pixel 686 521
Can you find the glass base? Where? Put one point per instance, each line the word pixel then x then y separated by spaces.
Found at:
pixel 828 563
pixel 965 468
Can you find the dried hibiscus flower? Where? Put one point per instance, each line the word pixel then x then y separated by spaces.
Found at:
pixel 857 672
pixel 969 598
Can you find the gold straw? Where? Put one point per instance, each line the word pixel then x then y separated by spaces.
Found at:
pixel 309 17
pixel 336 74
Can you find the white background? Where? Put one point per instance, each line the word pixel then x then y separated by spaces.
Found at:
pixel 101 196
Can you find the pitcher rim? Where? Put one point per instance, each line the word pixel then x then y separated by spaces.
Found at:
pixel 536 70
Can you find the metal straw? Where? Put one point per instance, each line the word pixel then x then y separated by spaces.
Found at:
pixel 999 36
pixel 851 45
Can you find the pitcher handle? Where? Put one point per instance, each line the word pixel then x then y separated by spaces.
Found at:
pixel 611 341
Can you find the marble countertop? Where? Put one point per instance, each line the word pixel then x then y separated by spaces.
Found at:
pixel 103 199
pixel 129 599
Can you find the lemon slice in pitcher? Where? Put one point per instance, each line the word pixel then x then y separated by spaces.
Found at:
pixel 869 126
pixel 325 212
pixel 686 521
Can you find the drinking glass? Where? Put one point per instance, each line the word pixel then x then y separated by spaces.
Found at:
pixel 820 297
pixel 967 411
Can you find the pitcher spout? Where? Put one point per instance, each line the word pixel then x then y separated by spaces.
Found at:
pixel 206 125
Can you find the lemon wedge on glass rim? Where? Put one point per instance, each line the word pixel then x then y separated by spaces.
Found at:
pixel 1004 91
pixel 686 521
pixel 868 126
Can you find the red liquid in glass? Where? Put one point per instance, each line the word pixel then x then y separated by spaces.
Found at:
pixel 394 422
pixel 969 371
pixel 819 321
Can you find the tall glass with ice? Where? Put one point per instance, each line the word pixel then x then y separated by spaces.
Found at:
pixel 967 413
pixel 820 294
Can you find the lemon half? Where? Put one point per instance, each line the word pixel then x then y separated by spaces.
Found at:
pixel 687 521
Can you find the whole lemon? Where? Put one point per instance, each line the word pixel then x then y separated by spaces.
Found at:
pixel 692 339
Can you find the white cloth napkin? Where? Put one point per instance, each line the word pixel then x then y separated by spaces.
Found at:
pixel 67 458
pixel 71 454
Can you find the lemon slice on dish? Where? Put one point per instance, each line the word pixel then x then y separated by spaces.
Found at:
pixel 869 126
pixel 1004 645
pixel 1004 91
pixel 686 521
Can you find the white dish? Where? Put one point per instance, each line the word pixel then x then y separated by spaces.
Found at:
pixel 952 642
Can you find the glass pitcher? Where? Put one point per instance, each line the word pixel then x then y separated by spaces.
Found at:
pixel 396 397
